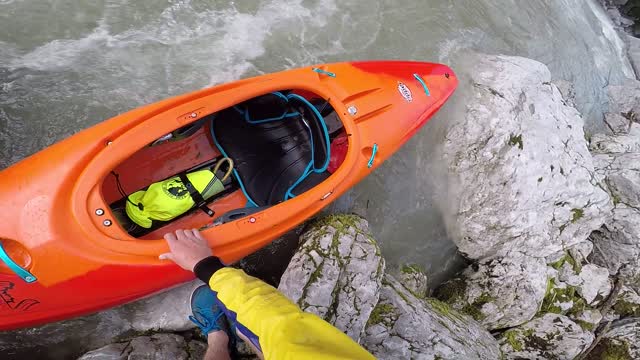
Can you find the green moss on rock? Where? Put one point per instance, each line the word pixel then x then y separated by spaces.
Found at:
pixel 452 291
pixel 516 140
pixel 556 295
pixel 609 349
pixel 568 259
pixel 585 325
pixel 338 221
pixel 412 269
pixel 474 312
pixel 444 309
pixel 512 338
pixel 626 309
pixel 380 313
pixel 474 309
pixel 440 307
pixel 577 214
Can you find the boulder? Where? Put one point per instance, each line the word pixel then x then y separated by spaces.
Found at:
pixel 595 284
pixel 574 288
pixel 626 138
pixel 156 346
pixel 501 293
pixel 403 326
pixel 551 336
pixel 561 298
pixel 621 342
pixel 617 123
pixel 581 251
pixel 521 174
pixel 336 273
pixel 588 319
pixel 624 99
pixel 633 50
pixel 617 242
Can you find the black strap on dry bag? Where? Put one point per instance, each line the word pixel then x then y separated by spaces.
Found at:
pixel 195 195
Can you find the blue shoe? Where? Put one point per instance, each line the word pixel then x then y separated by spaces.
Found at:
pixel 207 313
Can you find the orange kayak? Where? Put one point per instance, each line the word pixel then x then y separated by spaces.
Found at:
pixel 298 138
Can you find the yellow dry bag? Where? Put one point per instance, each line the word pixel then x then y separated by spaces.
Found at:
pixel 168 199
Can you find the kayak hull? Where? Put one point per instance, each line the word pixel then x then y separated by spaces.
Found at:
pixel 57 224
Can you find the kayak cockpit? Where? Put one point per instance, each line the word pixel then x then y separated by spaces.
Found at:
pixel 228 164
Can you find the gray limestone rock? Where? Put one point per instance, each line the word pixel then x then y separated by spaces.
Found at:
pixel 581 251
pixel 633 50
pixel 595 285
pixel 618 245
pixel 550 336
pixel 617 161
pixel 588 319
pixel 403 326
pixel 617 123
pixel 623 142
pixel 414 279
pixel 168 311
pixel 573 288
pixel 567 90
pixel 624 99
pixel 628 303
pixel 521 174
pixel 501 293
pixel 117 351
pixel 336 273
pixel 154 347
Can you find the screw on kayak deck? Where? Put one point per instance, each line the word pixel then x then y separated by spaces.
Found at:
pixel 99 212
pixel 107 222
pixel 352 110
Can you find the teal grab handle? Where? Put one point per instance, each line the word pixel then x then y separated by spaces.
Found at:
pixel 374 151
pixel 324 72
pixel 17 269
pixel 424 84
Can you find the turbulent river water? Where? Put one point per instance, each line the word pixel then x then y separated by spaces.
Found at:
pixel 65 65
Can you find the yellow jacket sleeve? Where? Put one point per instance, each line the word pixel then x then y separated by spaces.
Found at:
pixel 277 326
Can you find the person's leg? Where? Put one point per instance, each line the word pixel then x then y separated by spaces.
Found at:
pixel 209 317
pixel 218 346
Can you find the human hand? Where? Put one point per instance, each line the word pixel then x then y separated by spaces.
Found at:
pixel 187 248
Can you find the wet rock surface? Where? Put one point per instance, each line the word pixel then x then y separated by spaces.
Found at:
pixel 403 326
pixel 336 273
pixel 551 336
pixel 499 294
pixel 413 278
pixel 521 161
pixel 157 346
pixel 617 160
pixel 620 342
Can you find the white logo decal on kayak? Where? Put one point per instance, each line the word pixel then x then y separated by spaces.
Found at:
pixel 405 92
